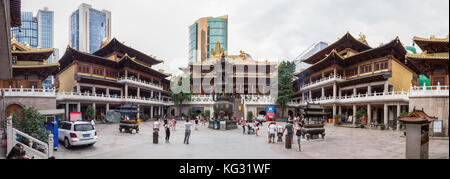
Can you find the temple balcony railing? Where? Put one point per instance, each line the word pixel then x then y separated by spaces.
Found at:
pixel 201 99
pixel 396 96
pixel 140 83
pixel 29 92
pixel 258 100
pixel 110 98
pixel 429 91
pixel 323 82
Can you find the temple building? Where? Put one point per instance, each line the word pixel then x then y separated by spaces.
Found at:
pixel 349 76
pixel 433 61
pixel 433 98
pixel 30 68
pixel 244 77
pixel 114 75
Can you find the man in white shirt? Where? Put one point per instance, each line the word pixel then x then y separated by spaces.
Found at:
pixel 187 133
pixel 272 132
pixel 156 126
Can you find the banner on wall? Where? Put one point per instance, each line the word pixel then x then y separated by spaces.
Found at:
pixel 75 116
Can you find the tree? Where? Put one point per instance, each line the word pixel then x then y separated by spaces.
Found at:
pixel 192 113
pixel 180 96
pixel 207 114
pixel 32 124
pixel 90 113
pixel 285 84
pixel 250 116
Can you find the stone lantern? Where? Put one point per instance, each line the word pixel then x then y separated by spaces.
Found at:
pixel 417 134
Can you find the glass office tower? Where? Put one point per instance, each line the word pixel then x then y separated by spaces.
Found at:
pixel 203 36
pixel 217 32
pixel 88 28
pixel 28 33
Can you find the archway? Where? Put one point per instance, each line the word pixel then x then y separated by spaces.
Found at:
pixel 16 109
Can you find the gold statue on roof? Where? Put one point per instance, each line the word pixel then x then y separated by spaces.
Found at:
pixel 104 42
pixel 218 51
pixel 243 54
pixel 362 38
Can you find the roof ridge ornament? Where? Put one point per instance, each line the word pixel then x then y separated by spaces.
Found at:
pixel 362 39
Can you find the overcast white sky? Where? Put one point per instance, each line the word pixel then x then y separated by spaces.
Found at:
pixel 266 29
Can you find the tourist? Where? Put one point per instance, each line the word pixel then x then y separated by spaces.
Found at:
pixel 244 125
pixel 290 131
pixel 196 124
pixel 156 126
pixel 257 124
pixel 187 132
pixel 280 132
pixel 17 152
pixel 93 123
pixel 167 129
pixel 174 124
pixel 272 129
pixel 299 136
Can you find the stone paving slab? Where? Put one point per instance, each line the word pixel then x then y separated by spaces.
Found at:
pixel 339 143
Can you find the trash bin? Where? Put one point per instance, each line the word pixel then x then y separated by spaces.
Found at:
pixel 155 137
pixel 288 142
pixel 223 125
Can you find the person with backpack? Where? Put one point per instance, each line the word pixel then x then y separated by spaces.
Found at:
pixel 299 136
pixel 290 134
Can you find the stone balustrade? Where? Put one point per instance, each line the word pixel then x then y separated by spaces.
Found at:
pixel 142 83
pixel 46 151
pixel 29 92
pixel 322 81
pixel 429 91
pixel 110 98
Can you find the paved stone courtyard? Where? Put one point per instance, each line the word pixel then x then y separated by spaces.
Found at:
pixel 340 143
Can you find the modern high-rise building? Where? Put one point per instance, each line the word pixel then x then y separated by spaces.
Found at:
pixel 28 32
pixel 203 36
pixel 88 28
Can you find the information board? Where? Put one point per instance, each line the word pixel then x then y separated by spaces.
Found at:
pixel 75 116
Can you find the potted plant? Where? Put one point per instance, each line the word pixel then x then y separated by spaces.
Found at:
pixel 382 126
pixel 359 114
pixel 90 113
pixel 337 118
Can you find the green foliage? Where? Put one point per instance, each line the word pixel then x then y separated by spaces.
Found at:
pixel 90 113
pixel 403 114
pixel 32 124
pixel 207 114
pixel 157 117
pixel 285 84
pixel 360 113
pixel 338 116
pixel 250 116
pixel 179 98
pixel 382 125
pixel 145 117
pixel 192 113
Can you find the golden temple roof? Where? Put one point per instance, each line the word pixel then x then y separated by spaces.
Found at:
pixel 20 48
pixel 425 55
pixel 432 39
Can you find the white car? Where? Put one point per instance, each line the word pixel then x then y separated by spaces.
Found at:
pixel 77 134
pixel 261 118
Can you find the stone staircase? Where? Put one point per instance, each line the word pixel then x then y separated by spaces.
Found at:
pixel 30 149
